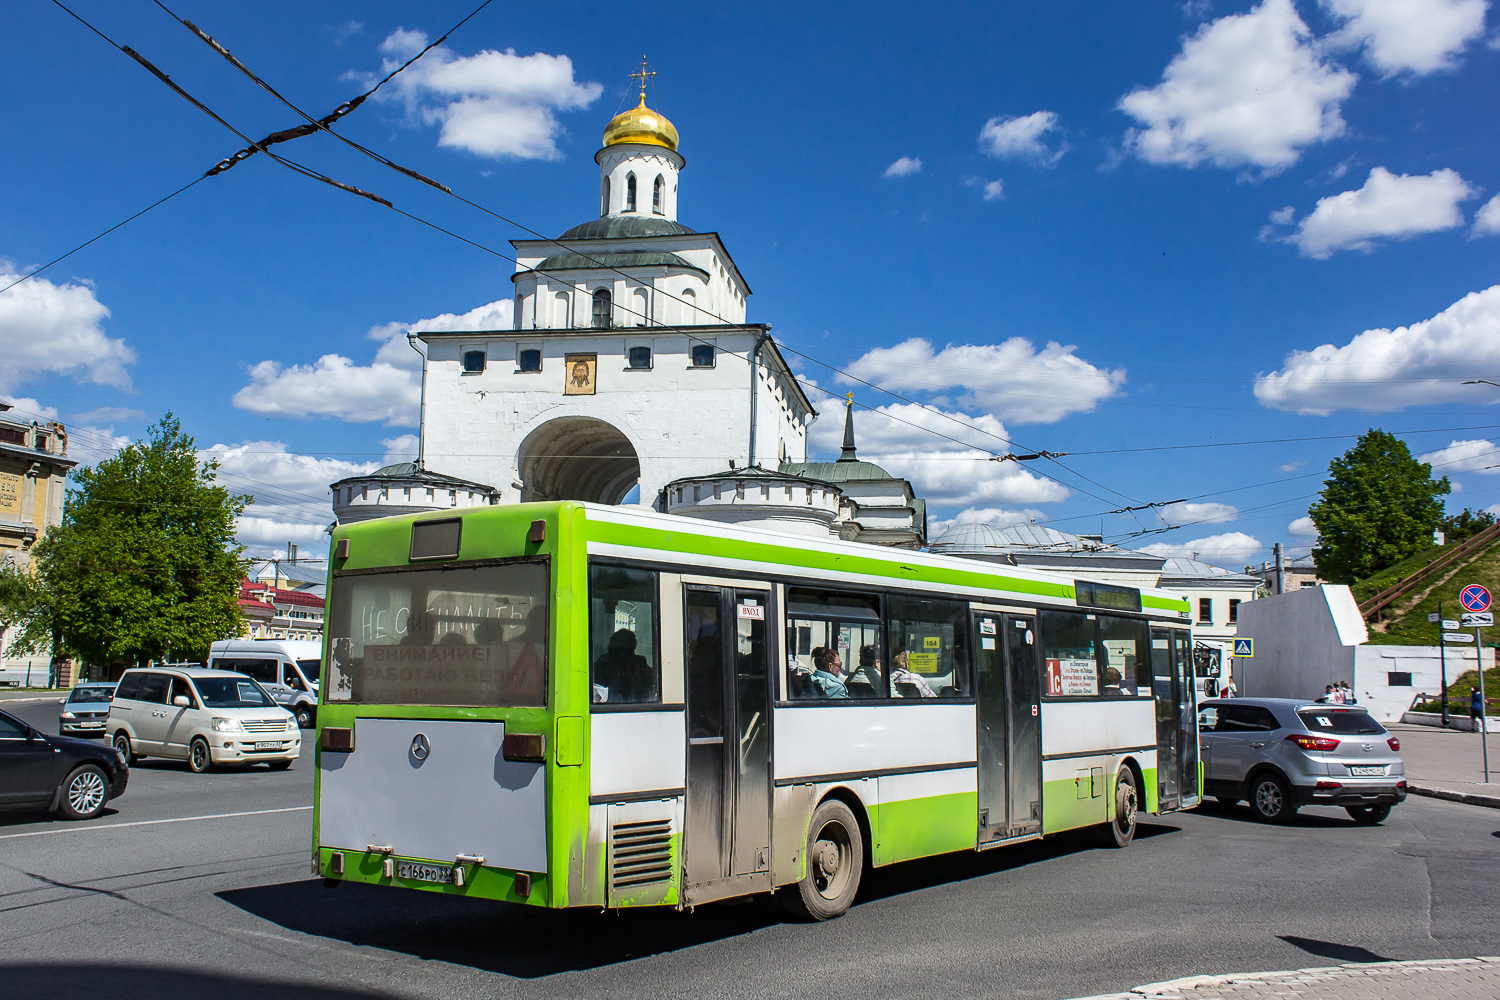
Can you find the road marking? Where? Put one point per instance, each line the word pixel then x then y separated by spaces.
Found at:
pixel 154 822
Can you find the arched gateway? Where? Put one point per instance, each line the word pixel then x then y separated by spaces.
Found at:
pixel 577 458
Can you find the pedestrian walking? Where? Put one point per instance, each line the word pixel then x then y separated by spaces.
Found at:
pixel 1476 706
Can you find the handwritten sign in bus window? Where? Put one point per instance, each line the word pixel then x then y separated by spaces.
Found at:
pixel 473 636
pixel 1072 677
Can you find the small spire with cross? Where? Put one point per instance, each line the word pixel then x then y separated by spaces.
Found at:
pixel 643 74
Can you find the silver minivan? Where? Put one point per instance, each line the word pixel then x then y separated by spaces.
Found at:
pixel 287 668
pixel 205 717
pixel 1282 753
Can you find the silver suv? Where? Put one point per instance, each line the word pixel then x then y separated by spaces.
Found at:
pixel 1282 753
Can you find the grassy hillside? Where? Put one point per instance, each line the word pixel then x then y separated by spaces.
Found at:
pixel 1389 577
pixel 1459 691
pixel 1411 627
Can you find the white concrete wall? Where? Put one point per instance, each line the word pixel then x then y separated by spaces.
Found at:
pixel 1303 641
pixel 1373 666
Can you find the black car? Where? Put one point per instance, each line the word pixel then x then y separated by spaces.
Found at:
pixel 74 777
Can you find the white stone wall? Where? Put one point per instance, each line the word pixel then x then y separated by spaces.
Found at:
pixel 680 420
pixel 647 162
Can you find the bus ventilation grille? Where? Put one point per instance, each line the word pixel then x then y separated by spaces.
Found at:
pixel 640 853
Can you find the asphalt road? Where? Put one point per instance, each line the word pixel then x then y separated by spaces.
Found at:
pixel 150 901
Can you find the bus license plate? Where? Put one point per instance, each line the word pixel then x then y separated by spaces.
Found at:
pixel 424 873
pixel 268 746
pixel 1366 770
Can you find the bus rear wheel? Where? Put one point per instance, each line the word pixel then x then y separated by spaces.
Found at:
pixel 1120 831
pixel 835 860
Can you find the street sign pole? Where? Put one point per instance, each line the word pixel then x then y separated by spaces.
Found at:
pixel 1443 663
pixel 1484 729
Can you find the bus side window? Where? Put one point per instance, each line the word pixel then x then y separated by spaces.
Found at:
pixel 929 648
pixel 845 624
pixel 624 655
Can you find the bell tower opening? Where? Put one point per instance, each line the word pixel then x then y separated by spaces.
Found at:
pixel 578 458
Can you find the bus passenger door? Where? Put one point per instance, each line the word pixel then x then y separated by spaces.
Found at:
pixel 1009 737
pixel 727 834
pixel 1166 687
pixel 1187 725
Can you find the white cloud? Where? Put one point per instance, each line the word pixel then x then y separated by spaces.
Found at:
pixel 904 167
pixel 402 448
pixel 389 389
pixel 1197 513
pixel 1386 370
pixel 904 440
pixel 57 329
pixel 292 502
pixel 1479 456
pixel 109 414
pixel 1232 550
pixel 1388 206
pixel 1023 138
pixel 994 190
pixel 1487 219
pixel 1408 36
pixel 494 104
pixel 1303 527
pixel 1012 380
pixel 999 517
pixel 1247 90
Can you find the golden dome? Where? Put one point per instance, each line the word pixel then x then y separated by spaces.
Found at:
pixel 641 124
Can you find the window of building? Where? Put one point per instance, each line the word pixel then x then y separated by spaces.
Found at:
pixel 656 194
pixel 703 355
pixel 604 199
pixel 473 362
pixel 1205 611
pixel 603 319
pixel 12 435
pixel 1234 610
pixel 834 645
pixel 640 357
pixel 929 648
pixel 625 668
pixel 42 440
pixel 529 360
pixel 630 192
pixel 1398 678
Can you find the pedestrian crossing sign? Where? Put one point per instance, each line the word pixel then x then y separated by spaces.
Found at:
pixel 1244 647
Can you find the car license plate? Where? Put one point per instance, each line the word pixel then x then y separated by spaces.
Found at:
pixel 424 873
pixel 268 746
pixel 1366 770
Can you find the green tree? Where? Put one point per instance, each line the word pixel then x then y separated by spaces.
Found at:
pixel 1465 524
pixel 145 564
pixel 1378 506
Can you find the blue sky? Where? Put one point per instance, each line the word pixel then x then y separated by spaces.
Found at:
pixel 1080 228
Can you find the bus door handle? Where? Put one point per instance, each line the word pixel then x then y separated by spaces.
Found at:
pixel 703 741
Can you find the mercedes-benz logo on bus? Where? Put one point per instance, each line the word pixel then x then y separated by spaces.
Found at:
pixel 421 746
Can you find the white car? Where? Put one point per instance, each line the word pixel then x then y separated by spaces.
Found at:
pixel 205 717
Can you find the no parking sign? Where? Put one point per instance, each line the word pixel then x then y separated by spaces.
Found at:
pixel 1475 597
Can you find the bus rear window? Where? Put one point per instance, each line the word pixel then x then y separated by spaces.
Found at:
pixel 474 636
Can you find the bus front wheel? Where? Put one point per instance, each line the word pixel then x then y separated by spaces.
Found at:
pixel 1120 831
pixel 835 860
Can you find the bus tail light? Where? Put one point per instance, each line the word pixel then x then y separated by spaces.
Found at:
pixel 1322 743
pixel 337 738
pixel 525 747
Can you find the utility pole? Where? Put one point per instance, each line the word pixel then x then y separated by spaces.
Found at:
pixel 1280 568
pixel 1484 729
pixel 1443 663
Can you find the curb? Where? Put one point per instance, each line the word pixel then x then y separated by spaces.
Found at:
pixel 1174 988
pixel 1468 798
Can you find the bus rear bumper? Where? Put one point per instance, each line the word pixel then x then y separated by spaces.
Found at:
pixel 450 876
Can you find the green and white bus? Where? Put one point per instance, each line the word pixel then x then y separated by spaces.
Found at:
pixel 566 704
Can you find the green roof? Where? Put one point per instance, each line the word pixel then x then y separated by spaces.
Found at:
pixel 838 472
pixel 617 226
pixel 567 261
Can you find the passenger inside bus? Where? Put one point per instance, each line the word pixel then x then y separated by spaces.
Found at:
pixel 621 675
pixel 865 681
pixel 905 683
pixel 828 680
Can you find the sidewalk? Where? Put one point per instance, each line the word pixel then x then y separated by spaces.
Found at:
pixel 1438 979
pixel 1446 763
